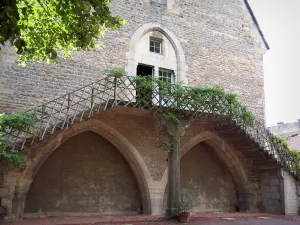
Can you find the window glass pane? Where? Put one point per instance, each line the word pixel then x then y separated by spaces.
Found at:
pixel 157 50
pixel 166 76
pixel 156 46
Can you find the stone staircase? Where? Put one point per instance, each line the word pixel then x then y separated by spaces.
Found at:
pixel 245 144
pixel 252 140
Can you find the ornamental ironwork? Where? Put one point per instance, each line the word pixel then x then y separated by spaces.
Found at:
pixel 109 92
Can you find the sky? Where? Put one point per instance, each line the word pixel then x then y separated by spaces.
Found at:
pixel 280 22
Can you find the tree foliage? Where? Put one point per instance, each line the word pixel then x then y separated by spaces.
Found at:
pixel 39 29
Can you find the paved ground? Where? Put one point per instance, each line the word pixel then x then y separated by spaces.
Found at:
pixel 200 219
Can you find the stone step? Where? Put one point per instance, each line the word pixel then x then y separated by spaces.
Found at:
pixel 226 127
pixel 256 154
pixel 266 163
pixel 247 147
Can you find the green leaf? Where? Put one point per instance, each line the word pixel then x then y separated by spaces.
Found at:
pixel 49 27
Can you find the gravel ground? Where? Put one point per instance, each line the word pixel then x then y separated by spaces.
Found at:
pixel 203 219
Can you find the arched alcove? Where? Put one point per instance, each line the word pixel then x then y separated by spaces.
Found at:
pixel 211 180
pixel 39 155
pixel 218 151
pixel 85 174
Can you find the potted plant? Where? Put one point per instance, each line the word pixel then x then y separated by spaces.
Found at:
pixel 188 197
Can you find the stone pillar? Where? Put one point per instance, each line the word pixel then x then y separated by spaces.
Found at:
pixel 291 194
pixel 21 191
pixel 16 190
pixel 9 187
pixel 175 131
pixel 157 191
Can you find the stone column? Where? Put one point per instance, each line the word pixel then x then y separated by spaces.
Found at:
pixel 9 187
pixel 15 196
pixel 21 191
pixel 291 194
pixel 175 131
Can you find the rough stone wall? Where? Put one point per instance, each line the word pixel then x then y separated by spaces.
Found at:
pixel 218 38
pixel 215 187
pixel 142 130
pixel 147 126
pixel 145 134
pixel 85 174
pixel 272 195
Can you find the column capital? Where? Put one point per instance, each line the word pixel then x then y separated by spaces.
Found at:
pixel 174 128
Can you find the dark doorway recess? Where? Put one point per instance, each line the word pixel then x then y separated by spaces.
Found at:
pixel 144 70
pixel 144 94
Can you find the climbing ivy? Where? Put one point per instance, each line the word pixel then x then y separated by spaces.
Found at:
pixel 285 153
pixel 173 117
pixel 295 160
pixel 22 122
pixel 117 72
pixel 180 99
pixel 166 146
pixel 181 102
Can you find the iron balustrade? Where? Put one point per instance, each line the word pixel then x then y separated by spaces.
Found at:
pixel 109 92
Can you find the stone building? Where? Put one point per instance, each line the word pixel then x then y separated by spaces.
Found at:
pixel 111 163
pixel 291 133
pixel 288 131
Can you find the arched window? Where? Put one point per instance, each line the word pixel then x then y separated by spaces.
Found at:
pixel 155 51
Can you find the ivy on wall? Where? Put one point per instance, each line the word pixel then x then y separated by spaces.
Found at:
pixel 22 122
pixel 292 154
pixel 179 101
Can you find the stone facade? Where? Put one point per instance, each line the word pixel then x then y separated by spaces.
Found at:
pixel 208 43
pixel 216 43
pixel 117 154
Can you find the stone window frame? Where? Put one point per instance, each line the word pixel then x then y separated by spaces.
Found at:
pixel 159 1
pixel 131 63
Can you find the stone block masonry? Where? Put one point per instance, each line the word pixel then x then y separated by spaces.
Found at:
pixel 102 166
pixel 219 42
pixel 271 187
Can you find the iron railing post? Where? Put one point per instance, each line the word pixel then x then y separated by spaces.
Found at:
pixel 68 110
pixel 115 91
pixel 92 98
pixel 230 112
pixel 42 119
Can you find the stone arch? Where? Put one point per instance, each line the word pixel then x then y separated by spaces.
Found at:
pixel 130 153
pixel 130 56
pixel 226 155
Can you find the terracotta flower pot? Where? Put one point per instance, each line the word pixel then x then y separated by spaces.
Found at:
pixel 184 217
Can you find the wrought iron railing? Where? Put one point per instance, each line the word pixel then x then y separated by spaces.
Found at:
pixel 83 103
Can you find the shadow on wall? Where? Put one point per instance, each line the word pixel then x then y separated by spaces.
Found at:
pixel 85 174
pixel 215 187
pixel 216 191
